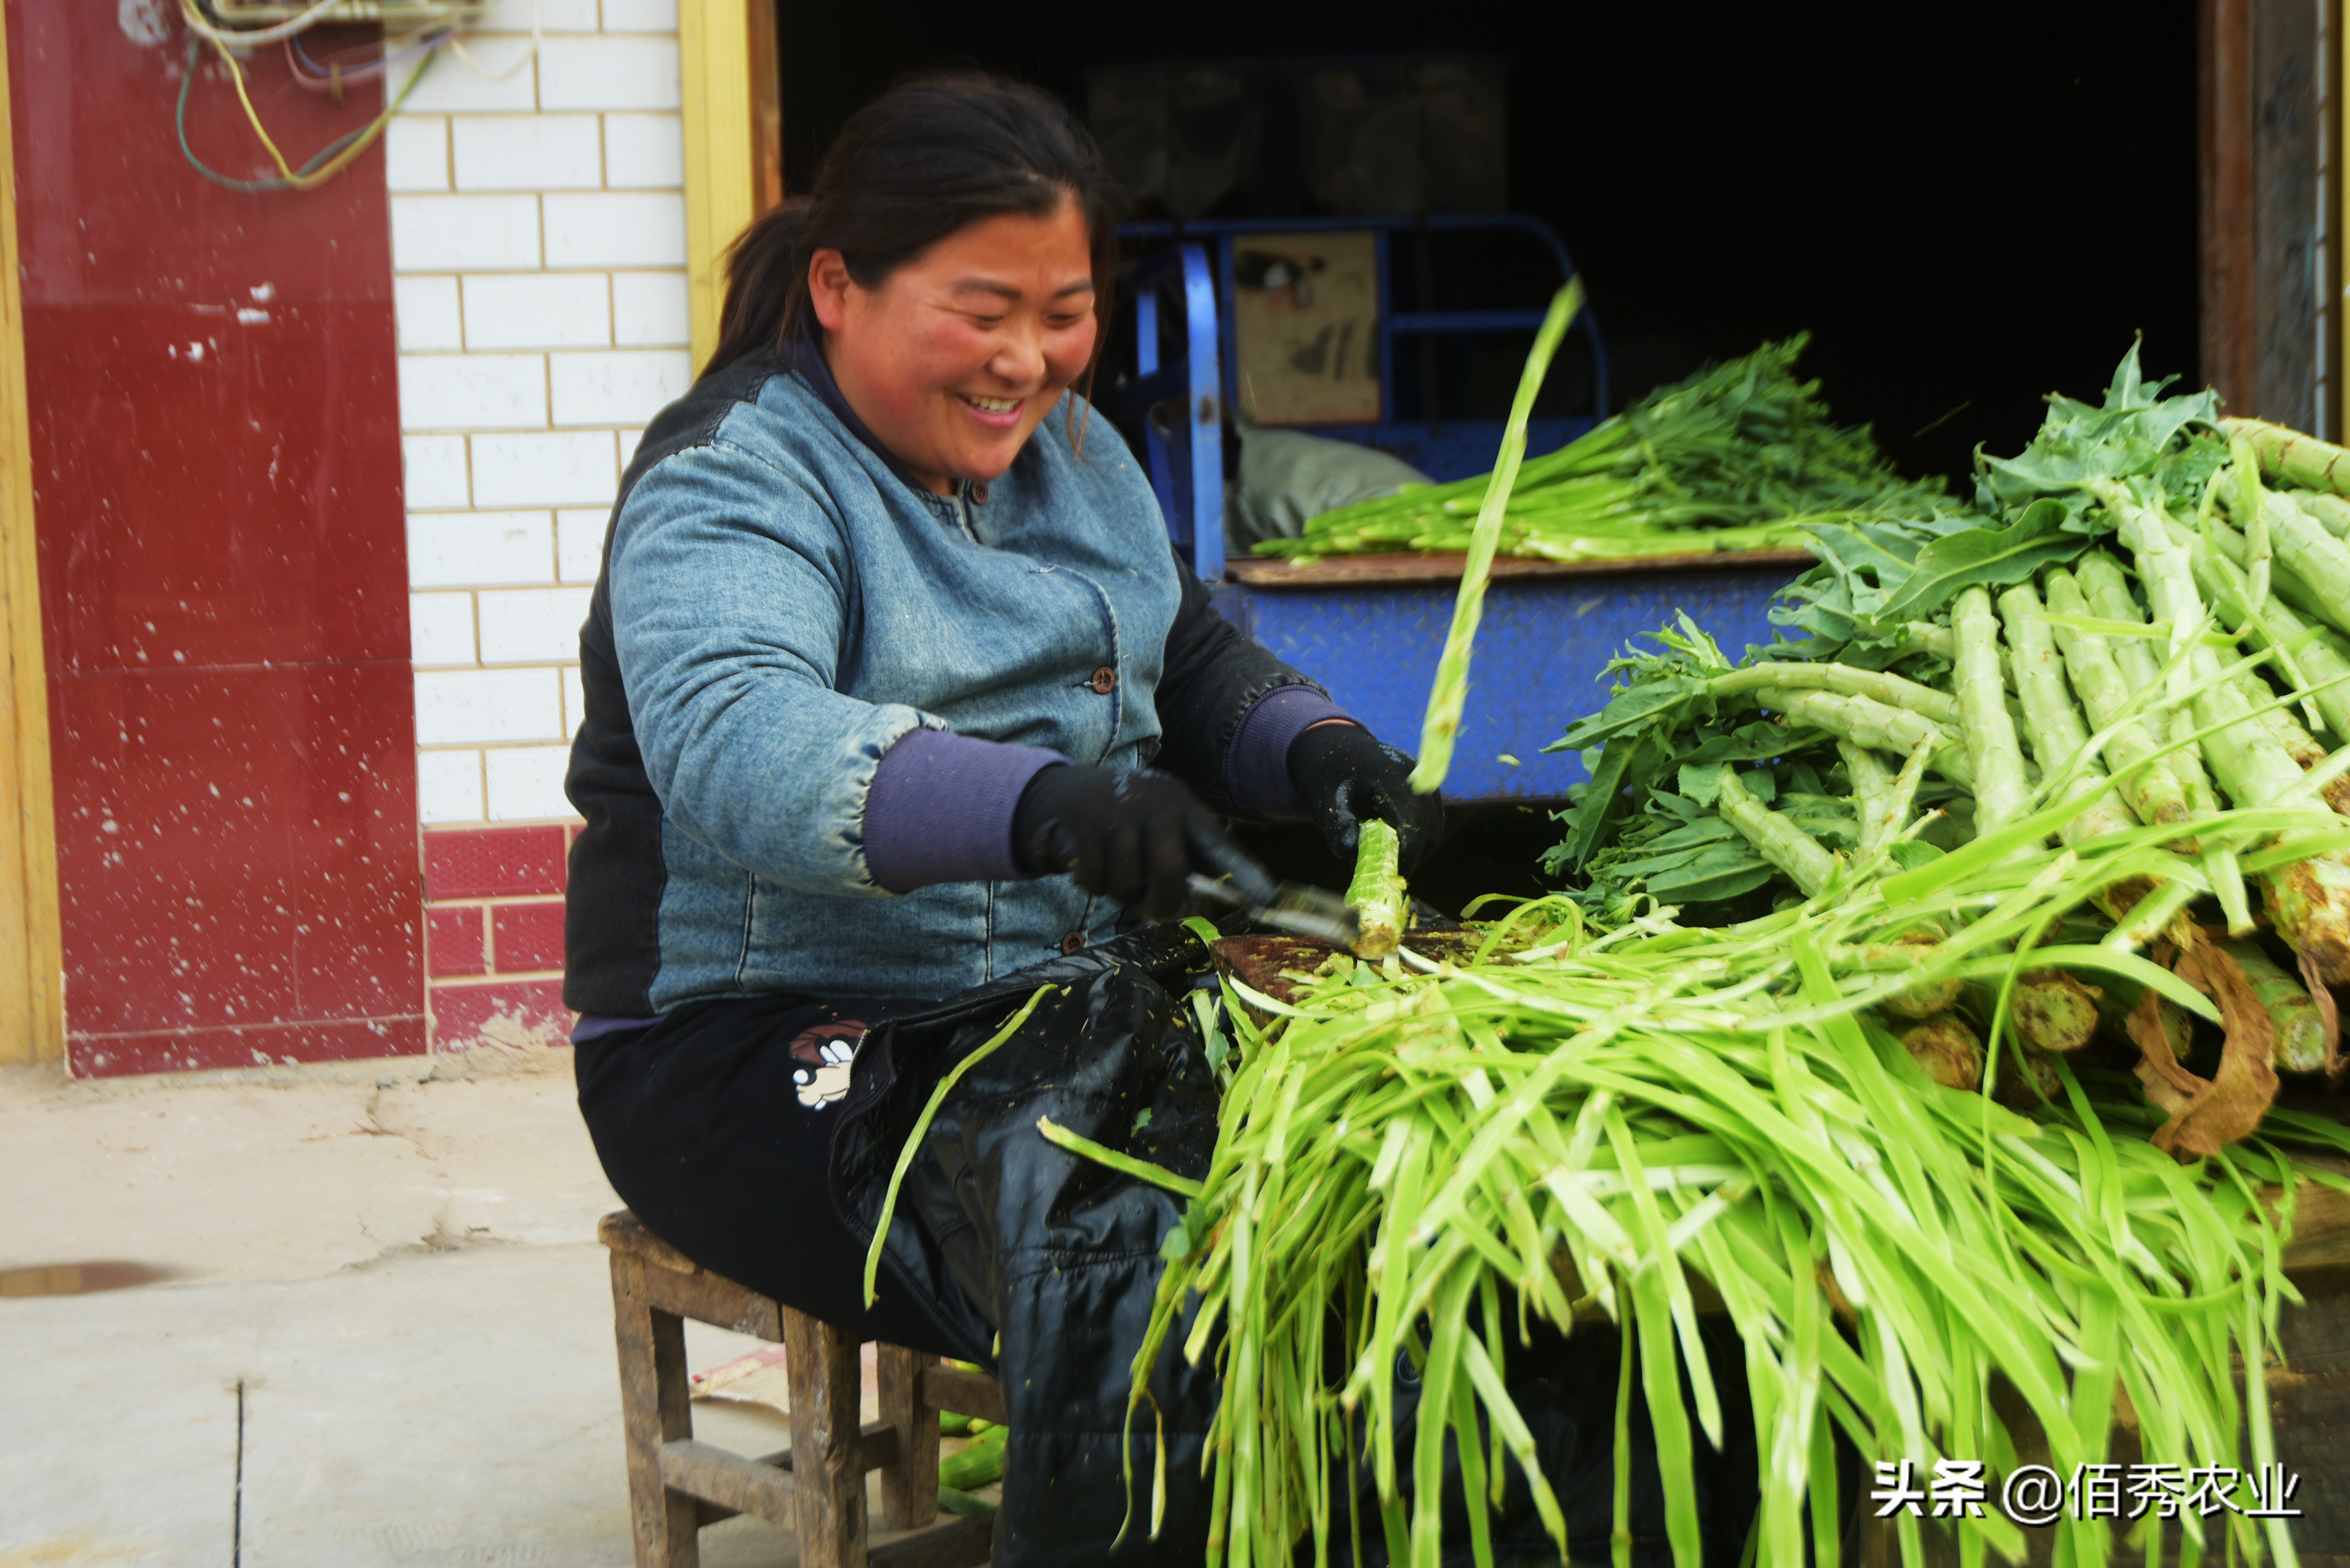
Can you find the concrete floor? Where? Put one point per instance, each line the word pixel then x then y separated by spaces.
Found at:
pixel 378 1331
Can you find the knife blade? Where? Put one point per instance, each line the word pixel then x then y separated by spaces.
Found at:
pixel 1297 908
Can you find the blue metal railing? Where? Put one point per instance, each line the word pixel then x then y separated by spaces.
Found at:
pixel 1186 449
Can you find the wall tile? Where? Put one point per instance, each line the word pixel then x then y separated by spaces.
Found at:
pixel 627 388
pixel 651 309
pixel 574 700
pixel 457 707
pixel 527 152
pixel 436 468
pixel 472 391
pixel 508 1012
pixel 425 309
pixel 494 862
pixel 441 627
pixel 629 440
pixel 608 73
pixel 416 153
pixel 449 786
pixel 537 310
pixel 641 16
pixel 611 228
pixel 566 467
pixel 644 151
pixel 532 625
pixel 450 85
pixel 579 543
pixel 455 941
pixel 527 937
pixel 551 16
pixel 459 549
pixel 527 783
pixel 454 234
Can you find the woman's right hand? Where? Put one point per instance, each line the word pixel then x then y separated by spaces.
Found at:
pixel 1136 838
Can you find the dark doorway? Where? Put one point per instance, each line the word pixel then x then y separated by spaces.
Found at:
pixel 1968 206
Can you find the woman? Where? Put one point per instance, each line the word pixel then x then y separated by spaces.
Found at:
pixel 893 683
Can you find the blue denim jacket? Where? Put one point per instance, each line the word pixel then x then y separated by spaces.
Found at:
pixel 783 607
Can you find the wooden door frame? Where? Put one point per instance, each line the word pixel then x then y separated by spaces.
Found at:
pixel 733 141
pixel 31 963
pixel 2239 66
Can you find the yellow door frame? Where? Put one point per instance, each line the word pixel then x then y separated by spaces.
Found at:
pixel 727 63
pixel 32 964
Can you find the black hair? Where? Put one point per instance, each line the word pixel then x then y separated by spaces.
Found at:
pixel 932 155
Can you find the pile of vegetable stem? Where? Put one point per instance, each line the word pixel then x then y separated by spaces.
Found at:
pixel 1742 456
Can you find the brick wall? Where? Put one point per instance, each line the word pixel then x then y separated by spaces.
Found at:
pixel 539 253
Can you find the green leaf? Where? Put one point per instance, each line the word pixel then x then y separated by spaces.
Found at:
pixel 1703 782
pixel 1985 557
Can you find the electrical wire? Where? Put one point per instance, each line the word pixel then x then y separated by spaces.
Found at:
pixel 537 22
pixel 308 19
pixel 323 165
pixel 298 62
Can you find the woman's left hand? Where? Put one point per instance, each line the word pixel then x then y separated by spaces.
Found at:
pixel 1346 777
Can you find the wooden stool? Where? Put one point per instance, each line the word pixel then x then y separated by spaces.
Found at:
pixel 815 1488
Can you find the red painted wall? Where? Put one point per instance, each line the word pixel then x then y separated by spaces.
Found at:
pixel 216 470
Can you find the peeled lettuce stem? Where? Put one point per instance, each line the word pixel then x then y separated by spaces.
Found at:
pixel 1376 894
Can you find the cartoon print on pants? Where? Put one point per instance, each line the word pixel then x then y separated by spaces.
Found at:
pixel 822 1056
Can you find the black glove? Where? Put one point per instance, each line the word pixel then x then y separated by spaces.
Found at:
pixel 1132 837
pixel 1346 777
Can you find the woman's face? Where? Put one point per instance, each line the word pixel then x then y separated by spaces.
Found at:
pixel 959 355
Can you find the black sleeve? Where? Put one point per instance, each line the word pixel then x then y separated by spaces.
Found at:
pixel 1212 676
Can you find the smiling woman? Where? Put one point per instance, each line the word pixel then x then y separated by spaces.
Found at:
pixel 894 687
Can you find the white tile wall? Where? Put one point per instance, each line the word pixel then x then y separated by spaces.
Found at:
pixel 532 626
pixel 426 311
pixel 441 627
pixel 538 248
pixel 416 153
pixel 627 71
pixel 449 786
pixel 650 308
pixel 644 150
pixel 579 543
pixel 455 706
pixel 468 549
pixel 567 468
pixel 445 233
pixel 528 152
pixel 526 782
pixel 625 387
pixel 538 310
pixel 615 228
pixel 436 471
pixel 472 391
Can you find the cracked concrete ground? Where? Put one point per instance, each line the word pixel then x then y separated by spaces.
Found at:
pixel 376 1330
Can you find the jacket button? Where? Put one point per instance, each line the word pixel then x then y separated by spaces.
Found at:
pixel 1105 681
pixel 1071 943
pixel 978 496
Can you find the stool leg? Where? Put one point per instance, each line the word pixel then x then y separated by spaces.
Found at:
pixel 653 1409
pixel 828 1458
pixel 909 1487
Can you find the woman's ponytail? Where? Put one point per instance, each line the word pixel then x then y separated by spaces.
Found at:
pixel 765 268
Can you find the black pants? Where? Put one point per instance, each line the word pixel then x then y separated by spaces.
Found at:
pixel 715 1126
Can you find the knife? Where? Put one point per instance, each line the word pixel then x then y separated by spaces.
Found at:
pixel 1297 908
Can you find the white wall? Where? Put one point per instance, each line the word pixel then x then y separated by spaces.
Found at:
pixel 538 247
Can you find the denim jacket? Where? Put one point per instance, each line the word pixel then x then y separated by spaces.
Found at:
pixel 778 607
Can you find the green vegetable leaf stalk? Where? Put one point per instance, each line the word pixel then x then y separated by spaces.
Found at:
pixel 1450 694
